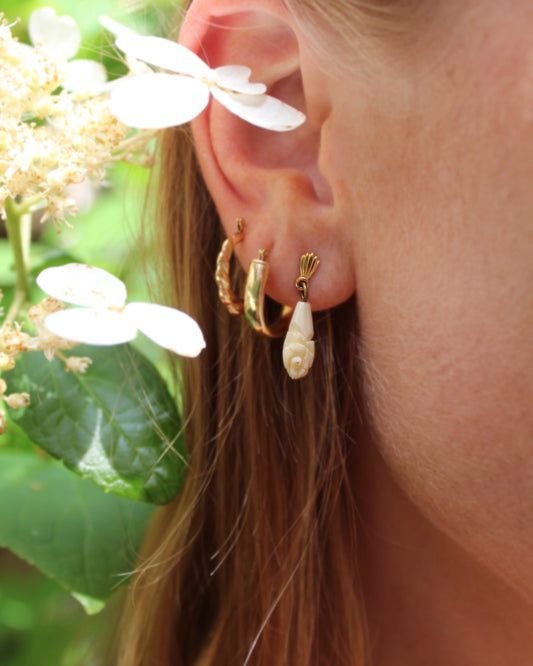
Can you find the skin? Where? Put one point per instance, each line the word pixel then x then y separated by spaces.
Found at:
pixel 444 257
pixel 413 181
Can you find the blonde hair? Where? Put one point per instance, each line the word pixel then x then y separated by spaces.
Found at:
pixel 256 561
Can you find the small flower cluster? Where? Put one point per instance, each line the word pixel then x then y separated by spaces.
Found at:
pixel 50 139
pixel 13 341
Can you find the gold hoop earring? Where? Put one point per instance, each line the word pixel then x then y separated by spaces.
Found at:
pixel 254 300
pixel 299 347
pixel 225 293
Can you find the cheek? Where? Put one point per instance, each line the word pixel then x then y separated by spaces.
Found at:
pixel 449 377
pixel 445 268
pixel 449 369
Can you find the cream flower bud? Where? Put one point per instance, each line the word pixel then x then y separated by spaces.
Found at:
pixel 56 178
pixel 3 425
pixel 16 400
pixel 13 340
pixel 6 362
pixel 78 364
pixel 38 313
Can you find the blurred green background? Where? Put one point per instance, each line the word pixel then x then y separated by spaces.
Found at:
pixel 41 624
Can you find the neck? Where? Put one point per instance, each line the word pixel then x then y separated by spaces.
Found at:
pixel 428 601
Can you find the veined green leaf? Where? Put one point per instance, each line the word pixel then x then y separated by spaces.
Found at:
pixel 116 425
pixel 67 527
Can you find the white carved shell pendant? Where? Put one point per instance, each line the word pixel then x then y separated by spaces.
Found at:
pixel 299 348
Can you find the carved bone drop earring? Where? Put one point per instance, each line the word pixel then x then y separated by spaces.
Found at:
pixel 299 347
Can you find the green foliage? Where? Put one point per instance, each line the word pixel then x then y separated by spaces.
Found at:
pixel 145 16
pixel 41 625
pixel 84 538
pixel 117 424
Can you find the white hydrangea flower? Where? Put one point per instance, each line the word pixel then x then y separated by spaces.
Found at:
pixel 159 99
pixel 50 140
pixel 105 319
pixel 59 37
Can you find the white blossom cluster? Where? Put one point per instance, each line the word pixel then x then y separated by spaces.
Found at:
pixel 51 136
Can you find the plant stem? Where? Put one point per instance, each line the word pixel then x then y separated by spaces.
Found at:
pixel 17 219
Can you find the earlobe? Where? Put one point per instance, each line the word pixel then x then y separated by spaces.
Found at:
pixel 271 179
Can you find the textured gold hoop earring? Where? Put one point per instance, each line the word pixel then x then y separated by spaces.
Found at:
pixel 222 278
pixel 254 300
pixel 299 347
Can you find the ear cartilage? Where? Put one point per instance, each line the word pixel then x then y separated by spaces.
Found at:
pixel 299 347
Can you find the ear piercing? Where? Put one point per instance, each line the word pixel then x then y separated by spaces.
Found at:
pixel 253 305
pixel 254 300
pixel 225 293
pixel 299 347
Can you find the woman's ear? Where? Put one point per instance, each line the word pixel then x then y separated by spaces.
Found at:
pixel 271 179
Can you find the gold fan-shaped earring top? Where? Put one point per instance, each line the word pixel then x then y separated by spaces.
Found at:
pixel 308 265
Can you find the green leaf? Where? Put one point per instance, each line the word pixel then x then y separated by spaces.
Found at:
pixel 67 527
pixel 91 605
pixel 14 438
pixel 117 424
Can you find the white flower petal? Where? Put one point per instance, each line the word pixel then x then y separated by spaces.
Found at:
pixel 59 35
pixel 165 54
pixel 236 78
pixel 91 327
pixel 84 75
pixel 153 101
pixel 167 327
pixel 137 67
pixel 83 285
pixel 115 27
pixel 261 110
